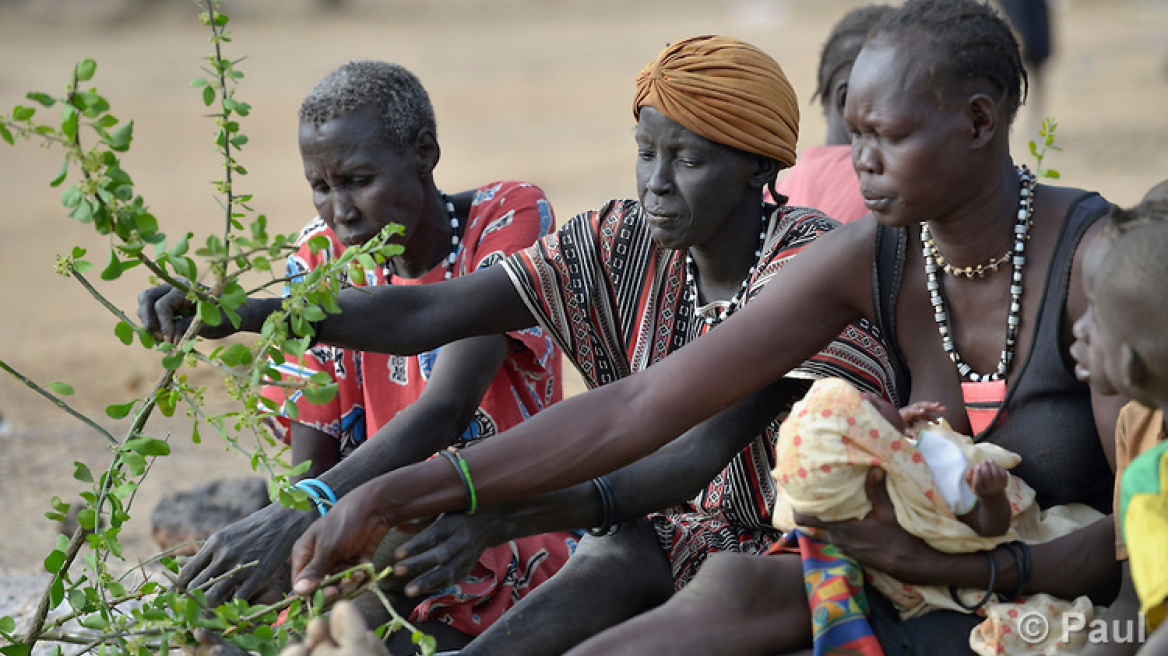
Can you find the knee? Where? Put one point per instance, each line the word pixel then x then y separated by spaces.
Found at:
pixel 749 581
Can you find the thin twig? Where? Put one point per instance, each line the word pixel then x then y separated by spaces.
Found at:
pixel 58 402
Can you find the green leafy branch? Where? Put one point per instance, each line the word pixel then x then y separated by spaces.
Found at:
pixel 1038 149
pixel 104 197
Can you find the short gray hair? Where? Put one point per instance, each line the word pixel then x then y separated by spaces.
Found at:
pixel 400 99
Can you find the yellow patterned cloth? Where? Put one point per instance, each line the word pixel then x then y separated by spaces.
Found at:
pixel 1144 516
pixel 824 451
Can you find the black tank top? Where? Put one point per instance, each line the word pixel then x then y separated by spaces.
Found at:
pixel 1046 417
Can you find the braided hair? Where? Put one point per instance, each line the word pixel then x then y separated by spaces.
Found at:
pixel 843 45
pixel 398 95
pixel 974 43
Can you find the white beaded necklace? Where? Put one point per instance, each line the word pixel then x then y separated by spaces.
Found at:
pixel 1013 318
pixel 739 298
pixel 455 235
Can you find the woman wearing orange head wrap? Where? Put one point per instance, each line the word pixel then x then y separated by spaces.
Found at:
pixel 619 288
pixel 725 90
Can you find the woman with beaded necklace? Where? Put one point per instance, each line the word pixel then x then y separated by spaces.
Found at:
pixel 619 288
pixel 931 100
pixel 369 149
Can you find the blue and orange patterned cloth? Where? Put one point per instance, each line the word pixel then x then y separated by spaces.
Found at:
pixel 834 585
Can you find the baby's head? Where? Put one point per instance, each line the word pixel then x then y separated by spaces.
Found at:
pixel 886 410
pixel 1120 345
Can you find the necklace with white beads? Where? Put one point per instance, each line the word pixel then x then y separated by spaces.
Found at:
pixel 1013 317
pixel 743 289
pixel 455 235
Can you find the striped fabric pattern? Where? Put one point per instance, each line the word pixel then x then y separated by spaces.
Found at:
pixel 615 303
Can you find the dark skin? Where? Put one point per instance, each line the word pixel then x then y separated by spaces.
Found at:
pixel 360 184
pixel 991 515
pixel 913 158
pixel 676 172
pixel 1108 355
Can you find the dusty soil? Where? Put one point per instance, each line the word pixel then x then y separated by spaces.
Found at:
pixel 525 89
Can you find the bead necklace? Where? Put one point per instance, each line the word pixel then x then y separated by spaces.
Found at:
pixel 455 235
pixel 743 289
pixel 969 272
pixel 1013 318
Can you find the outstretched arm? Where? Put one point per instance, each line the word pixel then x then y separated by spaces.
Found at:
pixel 462 374
pixel 671 475
pixel 403 320
pixel 805 306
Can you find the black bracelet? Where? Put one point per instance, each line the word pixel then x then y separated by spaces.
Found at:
pixel 610 513
pixel 1021 553
pixel 989 590
pixel 460 466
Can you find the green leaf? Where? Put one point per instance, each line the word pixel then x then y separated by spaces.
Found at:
pixel 119 410
pixel 208 95
pixel 135 463
pixel 147 446
pixel 199 82
pixel 7 624
pixel 209 313
pixel 58 505
pixel 6 135
pixel 20 649
pixel 64 171
pixel 43 99
pixel 64 389
pixel 69 120
pixel 56 592
pixel 236 354
pixel 71 197
pixel 173 360
pixel 85 69
pixel 183 266
pixel 181 246
pixel 290 410
pixel 113 267
pixel 54 561
pixel 319 395
pixel 119 140
pixel 424 642
pixel 145 337
pixel 124 333
pixel 22 113
pixel 195 437
pixel 94 622
pixel 80 472
pixel 1052 174
pixel 318 243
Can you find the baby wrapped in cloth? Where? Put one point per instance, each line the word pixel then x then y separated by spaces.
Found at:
pixel 824 451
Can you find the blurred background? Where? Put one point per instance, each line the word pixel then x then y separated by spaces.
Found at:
pixel 537 90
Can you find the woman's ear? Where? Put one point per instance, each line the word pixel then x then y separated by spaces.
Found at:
pixel 766 169
pixel 427 151
pixel 982 114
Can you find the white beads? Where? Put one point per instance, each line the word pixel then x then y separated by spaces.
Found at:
pixel 455 236
pixel 1013 319
pixel 743 290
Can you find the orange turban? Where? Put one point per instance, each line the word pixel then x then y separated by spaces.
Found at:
pixel 725 90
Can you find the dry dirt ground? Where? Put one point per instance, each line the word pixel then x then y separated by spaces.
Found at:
pixel 526 89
